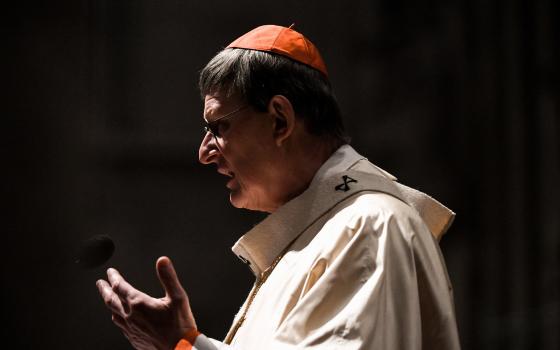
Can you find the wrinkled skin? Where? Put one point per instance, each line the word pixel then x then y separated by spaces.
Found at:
pixel 149 323
pixel 269 158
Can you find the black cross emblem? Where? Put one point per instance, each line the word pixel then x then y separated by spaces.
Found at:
pixel 344 186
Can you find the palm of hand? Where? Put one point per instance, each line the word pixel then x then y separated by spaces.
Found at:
pixel 149 323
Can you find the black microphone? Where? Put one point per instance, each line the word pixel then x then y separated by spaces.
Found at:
pixel 95 251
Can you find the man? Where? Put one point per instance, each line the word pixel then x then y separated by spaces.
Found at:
pixel 348 257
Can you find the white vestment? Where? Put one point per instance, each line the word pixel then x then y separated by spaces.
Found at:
pixel 360 269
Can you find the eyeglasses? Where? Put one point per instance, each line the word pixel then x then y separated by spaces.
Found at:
pixel 213 127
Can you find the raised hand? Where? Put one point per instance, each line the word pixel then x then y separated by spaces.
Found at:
pixel 149 323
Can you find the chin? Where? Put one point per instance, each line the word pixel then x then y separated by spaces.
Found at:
pixel 241 202
pixel 237 200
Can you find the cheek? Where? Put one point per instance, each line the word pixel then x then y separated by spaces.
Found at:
pixel 249 175
pixel 247 160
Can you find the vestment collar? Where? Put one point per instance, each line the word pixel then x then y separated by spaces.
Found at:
pixel 264 242
pixel 267 240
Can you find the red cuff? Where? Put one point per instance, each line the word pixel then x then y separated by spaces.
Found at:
pixel 186 343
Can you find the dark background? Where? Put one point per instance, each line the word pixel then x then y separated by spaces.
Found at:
pixel 102 118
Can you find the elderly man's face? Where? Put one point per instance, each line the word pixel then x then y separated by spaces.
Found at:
pixel 243 151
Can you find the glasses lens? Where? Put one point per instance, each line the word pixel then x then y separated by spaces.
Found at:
pixel 212 128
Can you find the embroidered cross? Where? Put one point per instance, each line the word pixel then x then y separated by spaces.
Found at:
pixel 344 186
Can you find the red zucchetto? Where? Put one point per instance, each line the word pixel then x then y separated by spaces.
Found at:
pixel 283 41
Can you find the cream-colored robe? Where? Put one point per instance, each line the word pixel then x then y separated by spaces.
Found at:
pixel 362 267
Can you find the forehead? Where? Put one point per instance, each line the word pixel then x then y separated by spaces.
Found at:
pixel 212 102
pixel 217 104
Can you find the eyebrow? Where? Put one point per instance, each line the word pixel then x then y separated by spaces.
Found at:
pixel 227 115
pixel 205 115
pixel 208 109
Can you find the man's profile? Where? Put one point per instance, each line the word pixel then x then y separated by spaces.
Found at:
pixel 348 257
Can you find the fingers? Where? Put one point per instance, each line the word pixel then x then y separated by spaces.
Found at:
pixel 120 285
pixel 148 322
pixel 112 300
pixel 169 280
pixel 119 321
pixel 118 293
pixel 122 324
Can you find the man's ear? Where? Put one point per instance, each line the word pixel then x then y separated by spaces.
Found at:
pixel 281 109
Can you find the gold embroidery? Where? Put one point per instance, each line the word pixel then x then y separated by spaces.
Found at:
pixel 262 279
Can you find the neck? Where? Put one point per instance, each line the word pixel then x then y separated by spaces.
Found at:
pixel 301 164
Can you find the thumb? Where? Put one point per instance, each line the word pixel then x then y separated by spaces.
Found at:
pixel 168 278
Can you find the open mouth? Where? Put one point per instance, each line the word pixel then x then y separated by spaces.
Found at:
pixel 231 183
pixel 231 177
pixel 229 174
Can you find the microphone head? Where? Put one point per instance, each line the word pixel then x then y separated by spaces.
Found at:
pixel 95 251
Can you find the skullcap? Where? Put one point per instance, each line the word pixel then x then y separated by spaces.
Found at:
pixel 283 41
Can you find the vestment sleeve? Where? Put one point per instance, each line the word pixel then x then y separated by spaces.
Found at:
pixel 198 341
pixel 368 289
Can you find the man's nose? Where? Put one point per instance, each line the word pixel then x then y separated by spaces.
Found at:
pixel 208 150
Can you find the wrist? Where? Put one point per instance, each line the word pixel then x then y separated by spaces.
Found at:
pixel 187 340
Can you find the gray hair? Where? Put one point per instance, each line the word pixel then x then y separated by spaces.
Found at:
pixel 256 76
